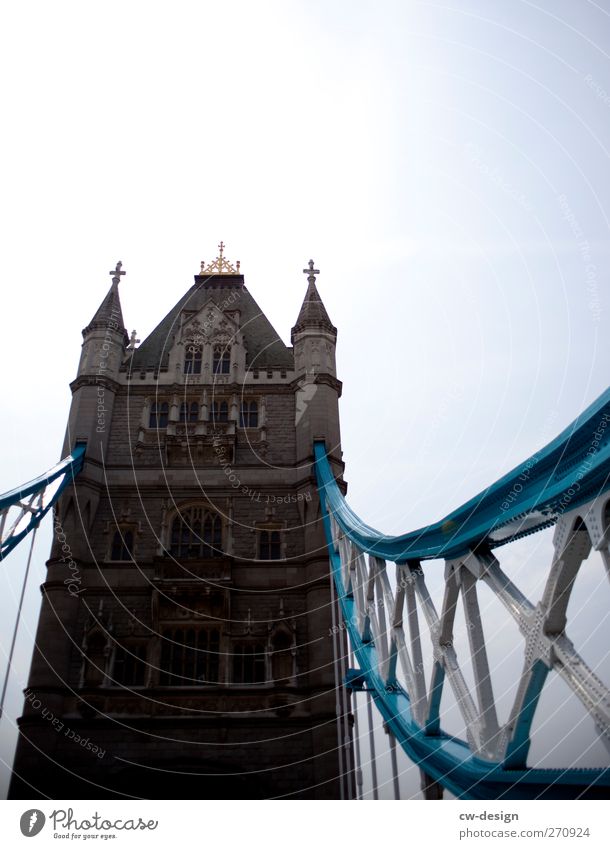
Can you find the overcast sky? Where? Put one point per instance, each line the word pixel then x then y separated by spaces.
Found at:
pixel 444 164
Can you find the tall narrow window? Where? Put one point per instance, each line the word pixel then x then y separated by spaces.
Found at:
pixel 189 412
pixel 96 660
pixel 220 411
pixel 122 545
pixel 281 659
pixel 159 415
pixel 195 534
pixel 189 656
pixel 192 359
pixel 221 362
pixel 249 414
pixel 249 663
pixel 270 545
pixel 129 668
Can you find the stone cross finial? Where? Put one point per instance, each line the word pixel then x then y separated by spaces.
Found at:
pixel 117 273
pixel 133 341
pixel 311 272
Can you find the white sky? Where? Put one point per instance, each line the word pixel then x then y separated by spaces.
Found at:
pixel 426 155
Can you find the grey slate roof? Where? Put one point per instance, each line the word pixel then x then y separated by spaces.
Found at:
pixel 265 349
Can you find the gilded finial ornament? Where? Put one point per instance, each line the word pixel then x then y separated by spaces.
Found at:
pixel 220 264
pixel 311 272
pixel 117 273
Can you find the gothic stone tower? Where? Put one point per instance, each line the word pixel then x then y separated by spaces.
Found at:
pixel 183 645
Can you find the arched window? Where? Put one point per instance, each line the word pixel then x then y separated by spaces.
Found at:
pixel 220 411
pixel 192 359
pixel 195 534
pixel 159 414
pixel 221 362
pixel 122 545
pixel 189 412
pixel 281 659
pixel 249 414
pixel 189 656
pixel 248 663
pixel 270 545
pixel 129 668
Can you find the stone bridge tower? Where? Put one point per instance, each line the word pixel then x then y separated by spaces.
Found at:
pixel 183 648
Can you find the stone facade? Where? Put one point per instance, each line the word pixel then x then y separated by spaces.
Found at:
pixel 183 647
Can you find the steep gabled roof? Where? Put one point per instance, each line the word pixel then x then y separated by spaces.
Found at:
pixel 264 347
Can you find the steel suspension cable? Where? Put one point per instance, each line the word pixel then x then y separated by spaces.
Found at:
pixel 17 621
pixel 394 765
pixel 357 756
pixel 369 711
pixel 333 606
pixel 344 644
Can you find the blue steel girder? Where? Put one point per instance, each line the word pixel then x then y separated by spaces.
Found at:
pixel 569 471
pixel 33 500
pixel 572 471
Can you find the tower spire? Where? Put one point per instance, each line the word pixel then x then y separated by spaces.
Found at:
pixel 313 312
pixel 109 315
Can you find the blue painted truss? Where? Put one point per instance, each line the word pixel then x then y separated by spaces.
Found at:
pixel 23 509
pixel 570 475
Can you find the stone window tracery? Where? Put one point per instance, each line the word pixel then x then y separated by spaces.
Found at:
pixel 196 533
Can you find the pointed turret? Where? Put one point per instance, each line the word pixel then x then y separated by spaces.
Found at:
pixel 109 315
pixel 317 390
pixel 313 313
pixel 105 341
pixel 105 337
pixel 314 336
